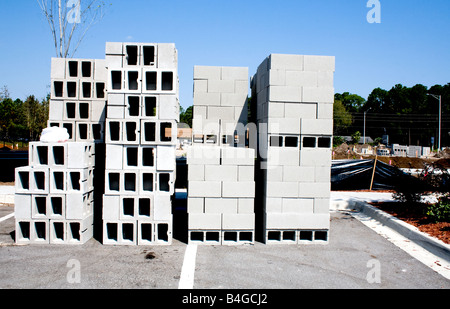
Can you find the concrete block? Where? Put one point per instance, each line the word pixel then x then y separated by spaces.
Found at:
pixel 325 111
pixel 322 205
pixel 58 181
pixel 114 61
pixel 162 208
pixel 114 48
pixel 325 79
pixel 79 155
pixel 314 190
pixel 196 172
pixel 56 110
pixel 241 87
pixel 286 94
pixel 234 99
pixel 205 222
pixel 207 99
pixel 221 173
pixel 276 110
pixel 238 221
pixel 297 221
pixel 78 205
pixel 22 206
pixel 301 78
pixel 207 72
pixel 203 155
pixel 39 232
pixel 169 108
pixel 221 205
pixel 285 125
pixel 39 207
pixel 100 70
pixel 273 204
pixel 302 110
pixel 23 231
pixel 57 206
pixel 234 73
pixel 238 189
pixel 98 111
pixel 200 112
pixel 167 56
pixel 220 86
pixel 58 68
pixel 299 174
pixel 298 205
pixel 283 156
pixel 111 207
pixel 315 94
pixel 246 206
pixel 286 62
pixel 282 189
pixel 316 157
pixel 221 112
pixel 147 182
pixel 39 181
pixel 274 173
pixel 201 86
pixel 275 77
pixel 238 156
pixel 322 174
pixel 316 126
pixel 116 99
pixel 205 189
pixel 319 63
pixel 196 205
pixel 114 157
pixel 165 158
pixel 23 180
pixel 246 173
pixel 205 126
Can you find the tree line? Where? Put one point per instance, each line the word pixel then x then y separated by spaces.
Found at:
pixel 22 120
pixel 407 115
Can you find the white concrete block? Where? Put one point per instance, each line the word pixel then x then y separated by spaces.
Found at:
pixel 220 86
pixel 325 111
pixel 196 205
pixel 285 125
pixel 274 173
pixel 314 190
pixel 319 63
pixel 79 155
pixel 205 221
pixel 241 87
pixel 114 48
pixel 167 56
pixel 196 172
pixel 234 99
pixel 207 72
pixel 282 189
pixel 162 208
pixel 276 77
pixel 301 78
pixel 235 73
pixel 56 110
pixel 221 173
pixel 206 99
pixel 100 70
pixel 203 155
pixel 221 112
pixel 221 205
pixel 238 189
pixel 322 205
pixel 238 221
pixel 205 189
pixel 303 110
pixel 246 173
pixel 237 156
pixel 165 158
pixel 298 205
pixel 298 221
pixel 111 207
pixel 316 126
pixel 114 61
pixel 325 79
pixel 58 68
pixel 116 99
pixel 282 61
pixel 201 86
pixel 316 157
pixel 273 204
pixel 98 111
pixel 286 94
pixel 78 206
pixel 283 156
pixel 299 174
pixel 246 205
pixel 322 174
pixel 22 206
pixel 114 157
pixel 23 179
pixel 277 110
pixel 200 112
pixel 316 94
pixel 206 126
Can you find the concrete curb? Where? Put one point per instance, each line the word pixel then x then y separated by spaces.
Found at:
pixel 431 244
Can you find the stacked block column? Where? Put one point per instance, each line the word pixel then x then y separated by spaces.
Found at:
pixel 294 111
pixel 141 136
pixel 221 186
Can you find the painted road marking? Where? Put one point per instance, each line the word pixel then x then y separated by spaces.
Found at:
pixel 7 217
pixel 188 270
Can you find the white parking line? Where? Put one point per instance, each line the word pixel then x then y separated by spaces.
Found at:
pixel 188 270
pixel 7 217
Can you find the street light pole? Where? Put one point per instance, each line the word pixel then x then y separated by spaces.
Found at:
pixel 438 97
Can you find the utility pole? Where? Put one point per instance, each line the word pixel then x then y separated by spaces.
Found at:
pixel 438 97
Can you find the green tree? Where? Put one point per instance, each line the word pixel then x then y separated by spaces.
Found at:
pixel 356 137
pixel 342 118
pixel 36 116
pixel 352 102
pixel 186 115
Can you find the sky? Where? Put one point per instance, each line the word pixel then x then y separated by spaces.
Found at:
pixel 409 46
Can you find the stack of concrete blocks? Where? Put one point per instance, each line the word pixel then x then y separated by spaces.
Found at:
pixel 78 98
pixel 294 97
pixel 221 186
pixel 141 136
pixel 54 194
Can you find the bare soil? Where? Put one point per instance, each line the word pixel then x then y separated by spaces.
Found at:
pixel 414 215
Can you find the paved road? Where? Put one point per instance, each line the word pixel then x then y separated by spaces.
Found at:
pixel 353 253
